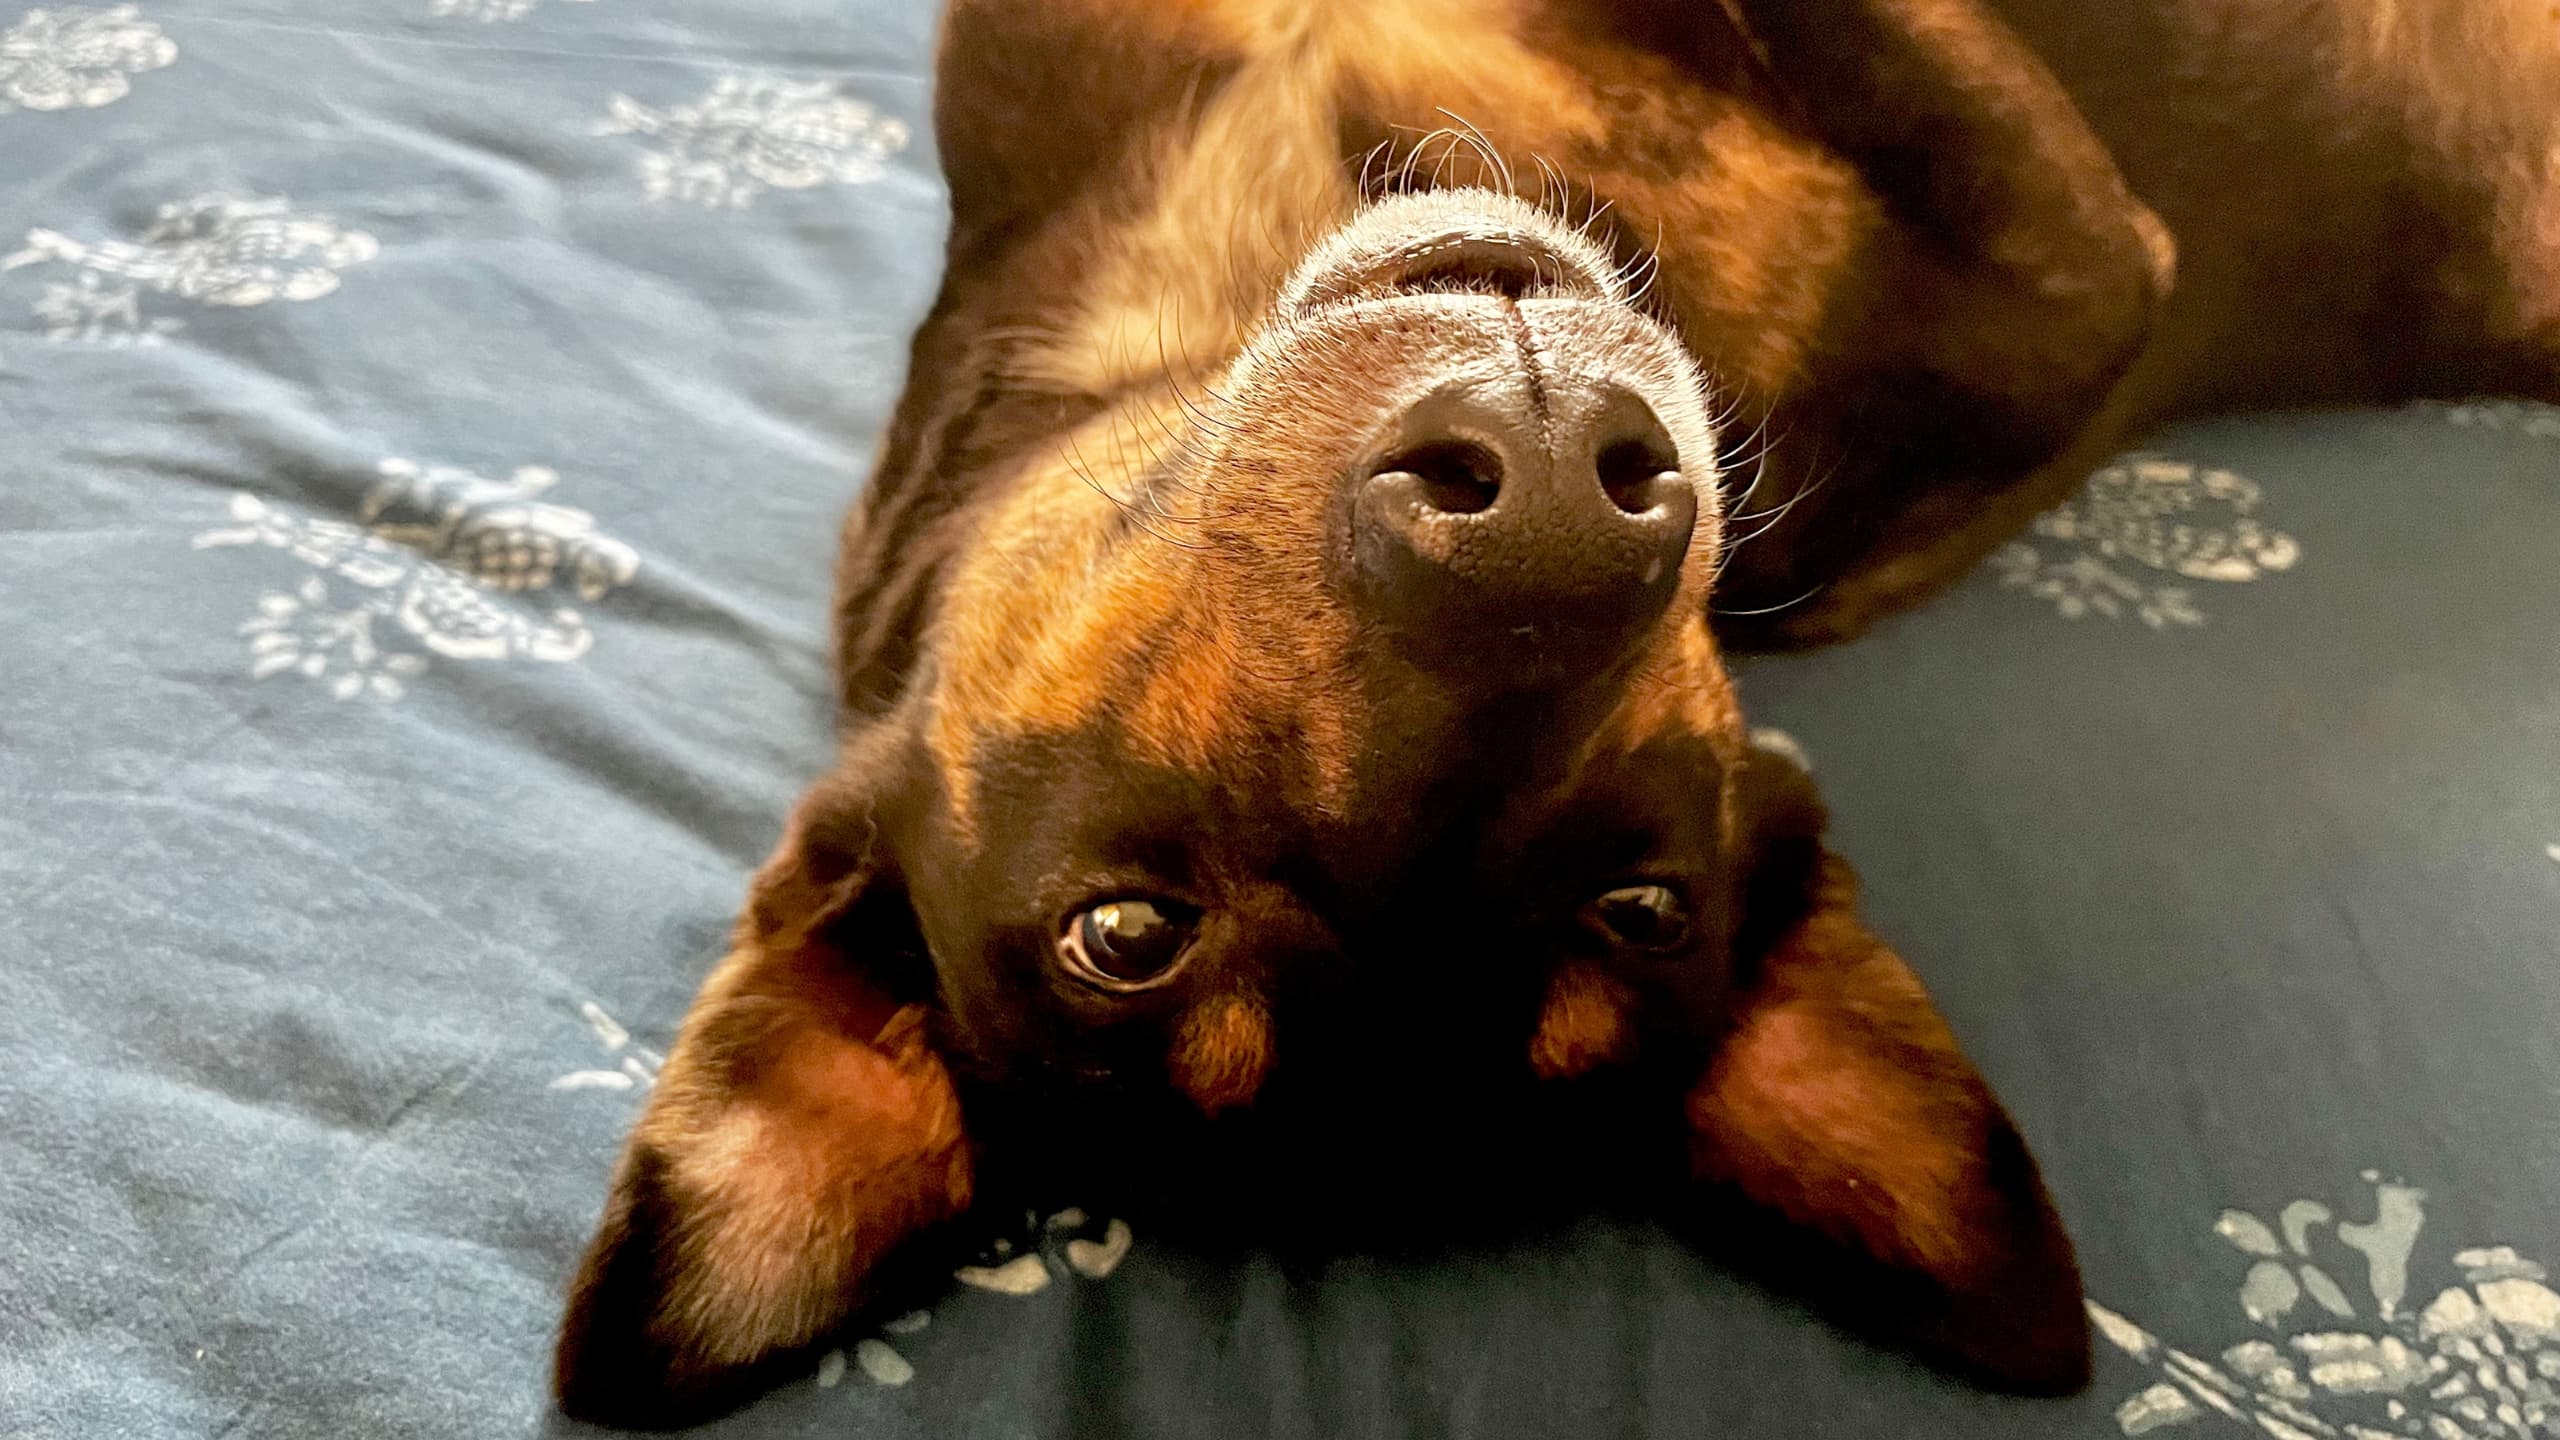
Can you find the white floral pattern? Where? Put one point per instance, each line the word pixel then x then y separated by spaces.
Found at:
pixel 489 12
pixel 210 250
pixel 77 57
pixel 1020 1263
pixel 636 1066
pixel 2520 417
pixel 440 562
pixel 2106 550
pixel 2477 1362
pixel 752 133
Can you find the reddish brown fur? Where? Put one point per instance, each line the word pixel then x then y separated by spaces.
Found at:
pixel 1842 1102
pixel 1935 257
pixel 1221 1053
pixel 1585 1024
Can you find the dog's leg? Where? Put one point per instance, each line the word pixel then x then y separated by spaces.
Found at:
pixel 802 1130
pixel 2025 293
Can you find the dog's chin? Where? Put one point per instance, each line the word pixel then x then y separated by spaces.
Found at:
pixel 1459 241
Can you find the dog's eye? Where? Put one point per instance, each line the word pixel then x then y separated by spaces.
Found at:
pixel 1127 944
pixel 1643 917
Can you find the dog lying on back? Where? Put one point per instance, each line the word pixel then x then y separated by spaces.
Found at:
pixel 1283 730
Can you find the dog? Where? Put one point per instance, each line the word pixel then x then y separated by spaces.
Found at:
pixel 1285 737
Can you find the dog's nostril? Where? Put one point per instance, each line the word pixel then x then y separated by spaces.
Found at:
pixel 1519 530
pixel 1458 477
pixel 1635 473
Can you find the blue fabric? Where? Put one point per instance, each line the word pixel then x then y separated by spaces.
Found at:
pixel 285 979
pixel 427 421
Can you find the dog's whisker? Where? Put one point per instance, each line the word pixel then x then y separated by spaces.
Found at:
pixel 1760 443
pixel 1553 193
pixel 1770 519
pixel 1652 266
pixel 1368 182
pixel 1083 470
pixel 1189 455
pixel 1778 512
pixel 1173 378
pixel 1749 455
pixel 1818 588
pixel 1483 145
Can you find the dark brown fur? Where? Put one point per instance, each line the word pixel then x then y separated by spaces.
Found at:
pixel 1931 256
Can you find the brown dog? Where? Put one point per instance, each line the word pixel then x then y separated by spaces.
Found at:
pixel 1280 705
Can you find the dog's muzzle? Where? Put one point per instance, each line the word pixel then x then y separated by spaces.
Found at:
pixel 1523 511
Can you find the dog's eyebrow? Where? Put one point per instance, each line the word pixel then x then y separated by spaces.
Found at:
pixel 1165 852
pixel 1080 801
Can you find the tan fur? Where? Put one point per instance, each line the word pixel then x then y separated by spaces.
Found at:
pixel 1042 633
pixel 835 1151
pixel 1221 1053
pixel 1681 689
pixel 1584 1025
pixel 1812 1105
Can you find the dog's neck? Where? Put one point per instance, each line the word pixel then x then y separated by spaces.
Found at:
pixel 1174 291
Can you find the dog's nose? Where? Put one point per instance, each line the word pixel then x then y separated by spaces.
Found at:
pixel 1522 521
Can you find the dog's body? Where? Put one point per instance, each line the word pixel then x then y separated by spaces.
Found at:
pixel 1288 569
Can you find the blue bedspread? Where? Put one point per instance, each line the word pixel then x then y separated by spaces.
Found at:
pixel 422 425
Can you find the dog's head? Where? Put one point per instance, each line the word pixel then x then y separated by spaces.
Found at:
pixel 1368 679
pixel 1334 752
pixel 1316 714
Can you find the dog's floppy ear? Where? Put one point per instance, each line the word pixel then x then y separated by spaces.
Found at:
pixel 802 1130
pixel 1840 1101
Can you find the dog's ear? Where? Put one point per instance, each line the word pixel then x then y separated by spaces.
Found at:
pixel 1840 1102
pixel 801 1131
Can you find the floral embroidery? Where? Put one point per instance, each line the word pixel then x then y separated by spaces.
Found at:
pixel 212 250
pixel 2522 417
pixel 639 1064
pixel 2477 1361
pixel 2146 514
pixel 440 562
pixel 488 12
pixel 754 132
pixel 1020 1261
pixel 77 57
pixel 1783 745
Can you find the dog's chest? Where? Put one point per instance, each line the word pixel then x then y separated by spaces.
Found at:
pixel 1293 112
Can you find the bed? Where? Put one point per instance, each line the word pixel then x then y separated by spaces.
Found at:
pixel 426 422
